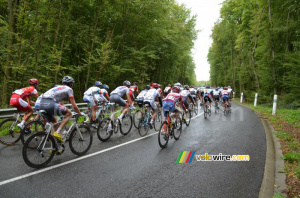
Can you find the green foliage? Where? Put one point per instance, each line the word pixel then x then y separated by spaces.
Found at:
pixel 256 50
pixel 110 41
pixel 292 157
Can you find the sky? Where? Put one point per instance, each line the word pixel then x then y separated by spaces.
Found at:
pixel 208 12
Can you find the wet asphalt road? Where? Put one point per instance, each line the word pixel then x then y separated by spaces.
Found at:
pixel 142 169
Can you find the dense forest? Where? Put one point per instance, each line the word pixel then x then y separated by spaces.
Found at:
pixel 256 49
pixel 110 41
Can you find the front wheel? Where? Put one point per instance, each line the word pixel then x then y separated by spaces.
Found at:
pixel 163 136
pixel 9 132
pixel 126 124
pixel 38 150
pixel 143 126
pixel 80 141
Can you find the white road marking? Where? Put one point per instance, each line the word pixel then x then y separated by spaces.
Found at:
pixel 77 159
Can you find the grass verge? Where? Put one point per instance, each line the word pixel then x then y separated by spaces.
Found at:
pixel 286 124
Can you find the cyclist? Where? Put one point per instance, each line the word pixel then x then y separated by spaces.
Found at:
pixel 225 96
pixel 185 95
pixel 167 89
pixel 216 96
pixel 160 91
pixel 18 100
pixel 132 90
pixel 170 103
pixel 207 96
pixel 193 92
pixel 230 95
pixel 92 96
pixel 150 99
pixel 141 96
pixel 52 102
pixel 104 91
pixel 117 94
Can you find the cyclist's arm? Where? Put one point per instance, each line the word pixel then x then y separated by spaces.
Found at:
pixel 74 105
pixel 107 95
pixel 181 101
pixel 191 98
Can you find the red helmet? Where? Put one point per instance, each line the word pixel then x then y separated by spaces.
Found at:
pixel 225 88
pixel 158 85
pixel 155 85
pixel 33 81
pixel 175 90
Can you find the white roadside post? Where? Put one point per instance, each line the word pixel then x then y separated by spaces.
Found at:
pixel 241 97
pixel 274 105
pixel 255 100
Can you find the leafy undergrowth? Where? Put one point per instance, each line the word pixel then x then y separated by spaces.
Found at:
pixel 286 124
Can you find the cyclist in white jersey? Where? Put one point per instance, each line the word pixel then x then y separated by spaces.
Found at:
pixel 150 98
pixel 216 95
pixel 91 97
pixel 185 95
pixel 141 96
pixel 117 94
pixel 50 103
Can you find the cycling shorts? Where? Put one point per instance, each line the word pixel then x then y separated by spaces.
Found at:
pixel 169 106
pixel 185 101
pixel 216 97
pixel 52 109
pixel 90 100
pixel 225 97
pixel 19 103
pixel 115 98
pixel 140 102
pixel 152 103
pixel 206 98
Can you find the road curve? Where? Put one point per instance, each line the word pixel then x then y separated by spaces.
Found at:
pixel 141 169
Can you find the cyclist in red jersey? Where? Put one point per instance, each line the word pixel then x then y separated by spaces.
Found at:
pixel 18 100
pixel 132 89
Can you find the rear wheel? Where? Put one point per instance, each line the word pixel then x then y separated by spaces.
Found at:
pixel 137 116
pixel 205 111
pixel 143 126
pixel 126 124
pixel 158 120
pixel 30 129
pixel 9 132
pixel 188 117
pixel 38 150
pixel 163 136
pixel 103 131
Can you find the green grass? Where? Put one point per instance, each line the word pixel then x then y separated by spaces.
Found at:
pixel 292 157
pixel 278 195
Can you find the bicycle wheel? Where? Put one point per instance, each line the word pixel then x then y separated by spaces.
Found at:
pixel 196 109
pixel 9 132
pixel 188 118
pixel 38 150
pixel 225 110
pixel 80 141
pixel 102 131
pixel 177 128
pixel 126 125
pixel 163 136
pixel 143 126
pixel 30 129
pixel 137 116
pixel 209 111
pixel 191 108
pixel 205 111
pixel 157 121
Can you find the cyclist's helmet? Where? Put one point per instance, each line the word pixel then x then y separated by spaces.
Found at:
pixel 147 87
pixel 67 80
pixel 126 83
pixel 217 89
pixel 135 83
pixel 168 85
pixel 191 86
pixel 225 88
pixel 186 87
pixel 177 85
pixel 158 85
pixel 176 89
pixel 105 87
pixel 155 85
pixel 33 81
pixel 98 84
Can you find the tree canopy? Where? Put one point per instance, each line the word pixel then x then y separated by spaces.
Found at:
pixel 111 41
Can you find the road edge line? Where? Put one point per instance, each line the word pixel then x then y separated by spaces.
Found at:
pixel 273 181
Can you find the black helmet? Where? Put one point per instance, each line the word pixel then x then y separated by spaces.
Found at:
pixel 68 79
pixel 147 87
pixel 126 83
pixel 186 87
